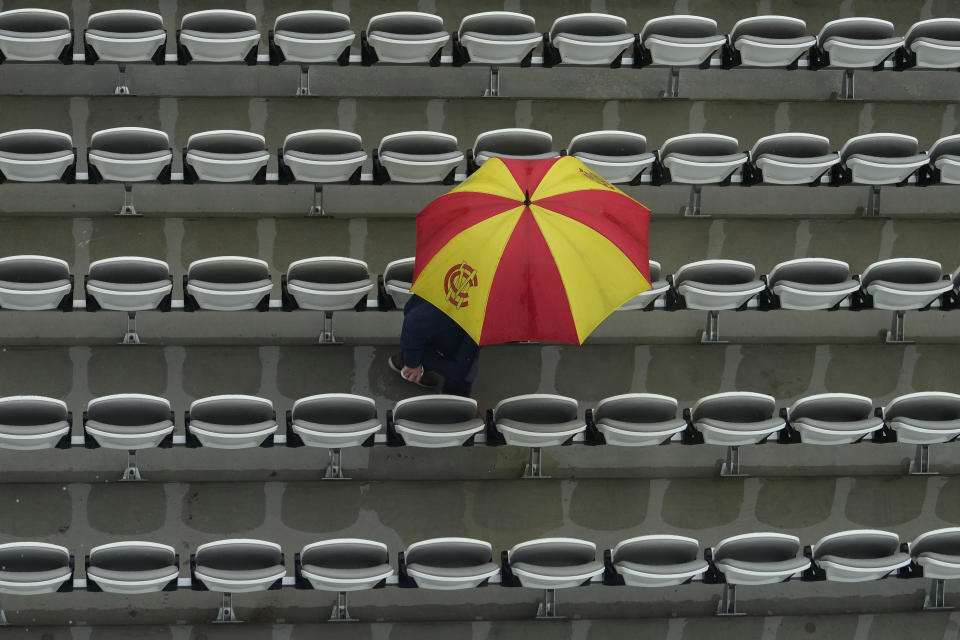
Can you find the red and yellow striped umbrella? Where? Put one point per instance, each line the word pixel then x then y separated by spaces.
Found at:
pixel 532 250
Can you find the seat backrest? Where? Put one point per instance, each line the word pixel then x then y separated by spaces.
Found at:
pixel 945 541
pixel 33 269
pixel 792 145
pixel 885 145
pixel 401 270
pixel 239 554
pixel 345 553
pixel 857 29
pixel 449 552
pixel 312 21
pixel 436 409
pixel 128 409
pixel 130 140
pixel 408 23
pixel 232 410
pixel 516 142
pixel 758 547
pixel 29 411
pixel 608 143
pixel 419 143
pixel 30 557
pixel 335 408
pixel 735 406
pixel 700 144
pixel 637 408
pixel 657 550
pixel 924 405
pixel 226 141
pixel 325 141
pixel 33 20
pixel 861 544
pixel 132 556
pixel 554 552
pixel 129 270
pixel 328 269
pixel 903 271
pixel 219 21
pixel 125 21
pixel 228 270
pixel 680 26
pixel 537 408
pixel 35 141
pixel 654 271
pixel 810 271
pixel 769 27
pixel 935 28
pixel 949 145
pixel 832 407
pixel 717 272
pixel 589 24
pixel 499 23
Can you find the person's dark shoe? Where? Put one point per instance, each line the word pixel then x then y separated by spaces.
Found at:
pixel 428 380
pixel 395 362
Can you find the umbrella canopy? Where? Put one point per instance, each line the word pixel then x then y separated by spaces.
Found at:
pixel 531 250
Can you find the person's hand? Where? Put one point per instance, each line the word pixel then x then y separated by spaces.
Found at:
pixel 412 374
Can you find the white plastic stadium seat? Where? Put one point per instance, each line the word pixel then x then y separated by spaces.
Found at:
pixel 238 565
pixel 944 159
pixel 882 158
pixel 36 155
pixel 759 558
pixel 128 421
pixel 328 283
pixel 132 567
pixel 590 38
pixel 902 284
pixel 934 43
pixel 397 280
pixel 29 423
pixel 232 421
pixel 498 37
pixel 554 563
pixel 436 420
pixel 448 564
pixel 229 283
pixel 770 41
pixel 658 560
pixel 32 568
pixel 129 283
pixel 811 283
pixel 793 158
pixel 638 419
pixel 538 420
pixel 736 418
pixel 681 40
pixel 323 155
pixel 334 420
pixel 616 156
pixel 406 36
pixel 129 154
pixel 313 36
pixel 857 43
pixel 34 283
pixel 218 35
pixel 658 287
pixel 419 156
pixel 925 417
pixel 345 564
pixel 833 418
pixel 35 35
pixel 717 285
pixel 859 555
pixel 514 143
pixel 125 35
pixel 938 552
pixel 226 155
pixel 701 158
